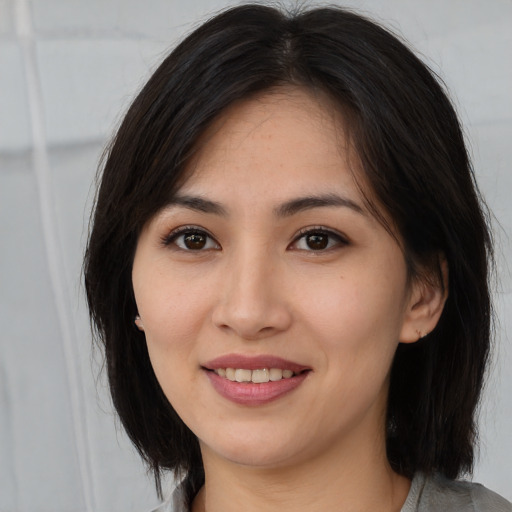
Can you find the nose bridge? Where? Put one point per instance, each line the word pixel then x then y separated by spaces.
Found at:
pixel 250 300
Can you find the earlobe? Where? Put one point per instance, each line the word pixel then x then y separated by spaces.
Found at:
pixel 426 304
pixel 138 323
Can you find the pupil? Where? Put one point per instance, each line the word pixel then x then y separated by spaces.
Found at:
pixel 195 241
pixel 317 241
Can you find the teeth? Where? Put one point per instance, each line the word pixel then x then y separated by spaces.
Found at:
pixel 260 375
pixel 257 376
pixel 243 375
pixel 276 374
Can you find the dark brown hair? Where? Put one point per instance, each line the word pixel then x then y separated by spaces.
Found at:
pixel 409 140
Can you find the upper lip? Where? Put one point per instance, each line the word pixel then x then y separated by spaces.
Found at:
pixel 253 363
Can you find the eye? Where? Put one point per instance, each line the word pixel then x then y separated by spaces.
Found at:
pixel 318 239
pixel 191 239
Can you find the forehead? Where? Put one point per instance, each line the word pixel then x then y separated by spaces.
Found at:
pixel 287 135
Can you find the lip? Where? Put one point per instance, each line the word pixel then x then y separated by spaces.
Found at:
pixel 253 363
pixel 249 393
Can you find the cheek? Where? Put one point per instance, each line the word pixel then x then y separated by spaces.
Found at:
pixel 357 318
pixel 355 306
pixel 169 303
pixel 171 337
pixel 172 322
pixel 173 314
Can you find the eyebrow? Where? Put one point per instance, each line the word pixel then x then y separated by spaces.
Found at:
pixel 199 204
pixel 320 201
pixel 286 209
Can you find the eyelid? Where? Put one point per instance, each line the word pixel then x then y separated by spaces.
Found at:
pixel 170 237
pixel 340 237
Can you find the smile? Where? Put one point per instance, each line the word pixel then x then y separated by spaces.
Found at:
pixel 254 380
pixel 258 376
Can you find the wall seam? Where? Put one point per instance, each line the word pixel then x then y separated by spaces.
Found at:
pixel 41 165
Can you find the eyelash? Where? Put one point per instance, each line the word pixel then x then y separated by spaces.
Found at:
pixel 172 237
pixel 334 238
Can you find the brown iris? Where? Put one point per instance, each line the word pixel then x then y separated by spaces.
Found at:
pixel 194 241
pixel 317 241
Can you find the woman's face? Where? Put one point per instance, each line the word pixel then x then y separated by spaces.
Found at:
pixel 268 263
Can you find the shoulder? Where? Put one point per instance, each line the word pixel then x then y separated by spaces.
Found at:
pixel 437 494
pixel 175 503
pixel 427 494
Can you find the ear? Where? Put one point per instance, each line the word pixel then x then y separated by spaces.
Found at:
pixel 426 303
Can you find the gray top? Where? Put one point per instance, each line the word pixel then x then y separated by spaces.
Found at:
pixel 438 494
pixel 432 494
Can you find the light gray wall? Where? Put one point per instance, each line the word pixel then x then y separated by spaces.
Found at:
pixel 67 70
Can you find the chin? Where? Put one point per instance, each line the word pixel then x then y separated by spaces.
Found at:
pixel 259 452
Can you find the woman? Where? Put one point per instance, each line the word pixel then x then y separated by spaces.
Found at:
pixel 288 268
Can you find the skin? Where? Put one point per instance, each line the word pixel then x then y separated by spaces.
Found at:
pixel 257 287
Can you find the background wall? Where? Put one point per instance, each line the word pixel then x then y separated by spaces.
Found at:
pixel 67 70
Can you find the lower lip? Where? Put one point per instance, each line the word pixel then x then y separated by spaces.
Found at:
pixel 249 393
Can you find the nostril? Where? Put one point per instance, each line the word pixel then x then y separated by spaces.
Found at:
pixel 252 320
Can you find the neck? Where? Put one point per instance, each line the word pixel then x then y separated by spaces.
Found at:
pixel 350 479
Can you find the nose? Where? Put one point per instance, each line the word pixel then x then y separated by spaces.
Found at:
pixel 251 299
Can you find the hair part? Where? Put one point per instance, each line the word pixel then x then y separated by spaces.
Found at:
pixel 411 147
